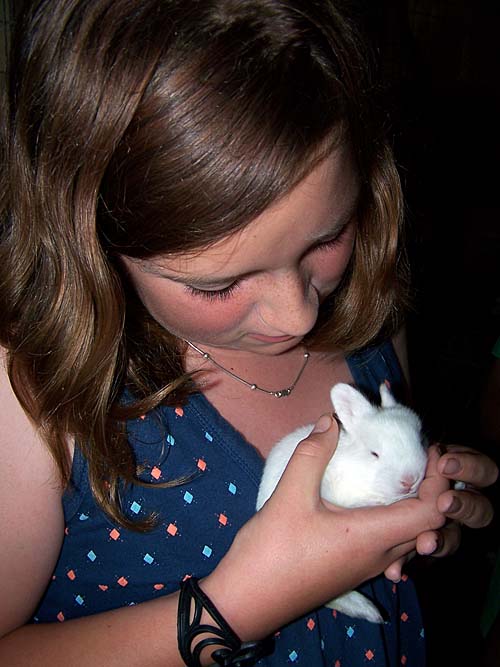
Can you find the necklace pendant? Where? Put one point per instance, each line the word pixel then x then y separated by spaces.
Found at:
pixel 282 393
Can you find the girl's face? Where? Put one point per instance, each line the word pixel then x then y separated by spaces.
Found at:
pixel 259 289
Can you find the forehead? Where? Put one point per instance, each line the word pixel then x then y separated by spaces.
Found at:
pixel 320 204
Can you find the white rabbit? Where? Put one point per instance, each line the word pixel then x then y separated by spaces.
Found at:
pixel 380 458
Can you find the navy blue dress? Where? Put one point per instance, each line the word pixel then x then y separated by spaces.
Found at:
pixel 103 566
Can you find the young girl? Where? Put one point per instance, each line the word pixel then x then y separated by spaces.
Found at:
pixel 199 238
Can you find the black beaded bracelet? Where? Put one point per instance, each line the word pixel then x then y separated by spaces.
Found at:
pixel 236 653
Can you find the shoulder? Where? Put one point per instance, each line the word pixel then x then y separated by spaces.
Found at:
pixel 30 509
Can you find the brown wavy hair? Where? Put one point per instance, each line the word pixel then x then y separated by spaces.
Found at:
pixel 145 127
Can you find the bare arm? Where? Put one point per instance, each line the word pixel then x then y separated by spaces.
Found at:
pixel 31 516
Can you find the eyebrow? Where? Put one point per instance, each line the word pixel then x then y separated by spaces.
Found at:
pixel 201 281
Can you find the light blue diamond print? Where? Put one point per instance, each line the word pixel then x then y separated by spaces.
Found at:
pixel 171 440
pixel 207 551
pixel 293 656
pixel 91 555
pixel 350 631
pixel 79 599
pixel 208 436
pixel 422 633
pixel 232 488
pixel 83 517
pixel 148 558
pixel 135 507
pixel 188 497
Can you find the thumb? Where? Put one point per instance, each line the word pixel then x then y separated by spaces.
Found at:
pixel 305 469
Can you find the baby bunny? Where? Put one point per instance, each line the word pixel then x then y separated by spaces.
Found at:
pixel 380 458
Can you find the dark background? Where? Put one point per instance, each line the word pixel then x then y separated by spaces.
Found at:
pixel 440 64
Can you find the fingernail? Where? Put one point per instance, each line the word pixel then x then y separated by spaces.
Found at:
pixel 430 549
pixel 323 424
pixel 454 506
pixel 452 466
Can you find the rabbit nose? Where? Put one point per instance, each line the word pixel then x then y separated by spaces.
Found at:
pixel 407 483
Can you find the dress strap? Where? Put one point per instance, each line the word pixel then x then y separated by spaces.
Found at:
pixel 376 364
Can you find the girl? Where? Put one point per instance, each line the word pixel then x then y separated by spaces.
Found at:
pixel 200 237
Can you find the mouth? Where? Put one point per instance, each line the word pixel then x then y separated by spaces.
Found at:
pixel 271 339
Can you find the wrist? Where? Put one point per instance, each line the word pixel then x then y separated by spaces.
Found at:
pixel 204 635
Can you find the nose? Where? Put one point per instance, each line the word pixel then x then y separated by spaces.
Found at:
pixel 408 483
pixel 289 305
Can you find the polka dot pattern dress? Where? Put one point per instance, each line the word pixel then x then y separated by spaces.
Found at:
pixel 104 566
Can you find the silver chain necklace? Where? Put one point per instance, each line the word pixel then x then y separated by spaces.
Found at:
pixel 280 393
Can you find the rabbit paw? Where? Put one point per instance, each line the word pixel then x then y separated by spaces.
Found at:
pixel 357 605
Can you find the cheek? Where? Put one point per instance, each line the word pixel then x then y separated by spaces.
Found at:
pixel 190 317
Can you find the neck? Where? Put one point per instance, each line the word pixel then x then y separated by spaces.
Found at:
pixel 276 375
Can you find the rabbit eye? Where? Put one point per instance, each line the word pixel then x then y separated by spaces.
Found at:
pixel 374 454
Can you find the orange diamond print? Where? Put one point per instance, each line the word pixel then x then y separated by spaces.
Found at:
pixel 103 587
pixel 156 472
pixel 311 624
pixel 404 617
pixel 223 519
pixel 71 575
pixel 114 534
pixel 404 577
pixel 158 587
pixel 403 660
pixel 60 616
pixel 172 529
pixel 122 581
pixel 337 663
pixel 179 412
pixel 369 654
pixel 201 464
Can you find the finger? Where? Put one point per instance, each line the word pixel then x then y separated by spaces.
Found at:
pixel 434 483
pixel 395 570
pixel 468 465
pixel 471 509
pixel 303 474
pixel 441 542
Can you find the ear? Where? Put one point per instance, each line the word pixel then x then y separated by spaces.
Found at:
pixel 387 399
pixel 350 405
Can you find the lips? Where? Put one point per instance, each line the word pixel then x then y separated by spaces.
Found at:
pixel 271 339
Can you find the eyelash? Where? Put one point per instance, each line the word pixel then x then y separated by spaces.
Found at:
pixel 214 295
pixel 332 243
pixel 226 292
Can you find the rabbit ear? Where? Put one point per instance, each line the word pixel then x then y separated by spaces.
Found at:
pixel 388 400
pixel 350 405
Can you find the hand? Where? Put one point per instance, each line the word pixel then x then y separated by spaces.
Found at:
pixel 299 551
pixel 468 507
pixel 441 542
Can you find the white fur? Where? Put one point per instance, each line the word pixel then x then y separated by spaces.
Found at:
pixel 378 449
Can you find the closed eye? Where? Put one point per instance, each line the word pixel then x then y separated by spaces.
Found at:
pixel 216 294
pixel 374 454
pixel 328 244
